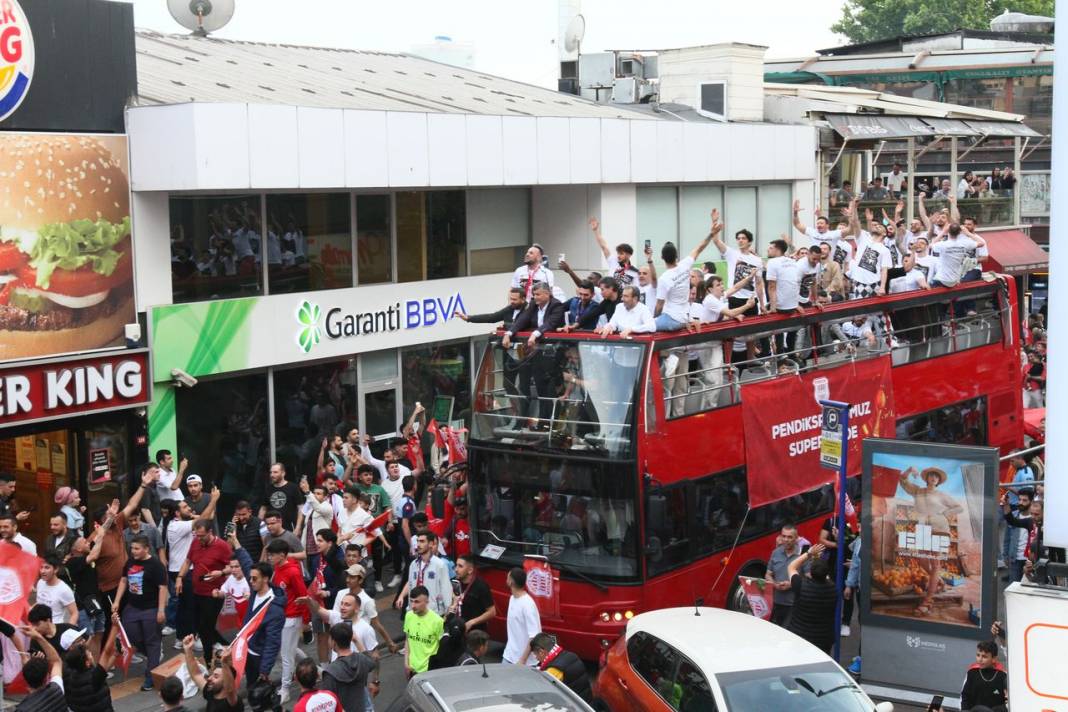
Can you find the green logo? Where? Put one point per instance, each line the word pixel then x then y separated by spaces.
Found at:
pixel 309 335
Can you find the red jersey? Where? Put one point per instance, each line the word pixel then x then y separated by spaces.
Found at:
pixel 459 535
pixel 205 559
pixel 318 701
pixel 289 578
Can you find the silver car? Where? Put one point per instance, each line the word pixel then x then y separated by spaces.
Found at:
pixel 494 688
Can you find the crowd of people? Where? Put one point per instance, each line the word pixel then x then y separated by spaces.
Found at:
pixel 893 185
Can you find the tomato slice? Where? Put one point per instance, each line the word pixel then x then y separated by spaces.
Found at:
pixel 83 281
pixel 11 257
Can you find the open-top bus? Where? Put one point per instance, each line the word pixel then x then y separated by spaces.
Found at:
pixel 628 473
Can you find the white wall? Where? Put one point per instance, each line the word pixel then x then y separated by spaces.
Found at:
pixel 560 215
pixel 249 147
pixel 498 217
pixel 150 219
pixel 741 66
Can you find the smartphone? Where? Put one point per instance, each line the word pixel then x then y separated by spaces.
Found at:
pixel 936 704
pixel 648 244
pixel 563 257
pixel 805 548
pixel 230 528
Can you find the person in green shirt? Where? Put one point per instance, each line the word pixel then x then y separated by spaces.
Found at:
pixel 365 475
pixel 422 629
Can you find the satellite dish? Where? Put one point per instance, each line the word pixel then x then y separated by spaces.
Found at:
pixel 575 31
pixel 201 16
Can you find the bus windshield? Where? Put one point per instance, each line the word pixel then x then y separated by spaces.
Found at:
pixel 569 395
pixel 579 514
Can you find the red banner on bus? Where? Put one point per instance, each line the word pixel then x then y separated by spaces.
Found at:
pixel 781 420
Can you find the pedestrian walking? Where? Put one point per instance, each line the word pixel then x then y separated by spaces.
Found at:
pixel 524 621
pixel 143 588
pixel 346 676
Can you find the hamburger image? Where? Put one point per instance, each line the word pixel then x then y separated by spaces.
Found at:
pixel 66 266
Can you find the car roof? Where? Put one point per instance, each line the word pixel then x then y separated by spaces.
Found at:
pixel 720 641
pixel 465 688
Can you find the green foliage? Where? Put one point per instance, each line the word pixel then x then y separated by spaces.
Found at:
pixel 870 20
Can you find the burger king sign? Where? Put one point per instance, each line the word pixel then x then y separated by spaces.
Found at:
pixel 16 57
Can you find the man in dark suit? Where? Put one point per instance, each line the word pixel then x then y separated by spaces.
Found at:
pixel 508 314
pixel 542 315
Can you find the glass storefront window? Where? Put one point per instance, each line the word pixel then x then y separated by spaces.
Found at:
pixel 374 243
pixel 215 247
pixel 499 228
pixel 309 242
pixel 431 235
pixel 223 429
pixel 311 403
pixel 438 371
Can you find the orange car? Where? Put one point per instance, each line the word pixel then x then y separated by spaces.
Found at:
pixel 713 660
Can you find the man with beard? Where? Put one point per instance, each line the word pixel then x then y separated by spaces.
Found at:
pixel 219 688
pixel 282 496
pixel 531 272
pixel 179 541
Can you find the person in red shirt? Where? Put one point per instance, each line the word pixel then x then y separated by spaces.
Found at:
pixel 459 532
pixel 209 557
pixel 289 578
pixel 312 699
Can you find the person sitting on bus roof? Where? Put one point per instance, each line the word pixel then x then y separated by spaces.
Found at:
pixel 952 248
pixel 673 286
pixel 852 331
pixel 601 312
pixel 593 277
pixel 912 277
pixel 831 285
pixel 579 304
pixel 632 317
pixel 542 315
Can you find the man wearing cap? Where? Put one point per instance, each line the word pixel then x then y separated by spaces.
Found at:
pixel 197 498
pixel 367 610
pixel 60 635
pixel 209 556
pixel 531 271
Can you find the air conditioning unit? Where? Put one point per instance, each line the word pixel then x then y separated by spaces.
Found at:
pixel 625 90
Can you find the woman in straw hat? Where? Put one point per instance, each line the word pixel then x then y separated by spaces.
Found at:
pixel 932 508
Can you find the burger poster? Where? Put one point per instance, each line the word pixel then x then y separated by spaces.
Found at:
pixel 924 547
pixel 66 260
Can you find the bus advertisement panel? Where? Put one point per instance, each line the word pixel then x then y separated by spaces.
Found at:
pixel 927 540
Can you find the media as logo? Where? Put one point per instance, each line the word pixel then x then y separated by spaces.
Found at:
pixel 308 316
pixel 16 57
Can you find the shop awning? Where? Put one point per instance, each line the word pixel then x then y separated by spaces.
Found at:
pixel 1003 128
pixel 1013 252
pixel 950 127
pixel 869 126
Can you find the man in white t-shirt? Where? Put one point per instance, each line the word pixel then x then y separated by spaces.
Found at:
pixel 714 307
pixel 524 621
pixel 952 249
pixel 618 266
pixel 531 271
pixel 913 278
pixel 868 272
pixel 56 594
pixel 925 262
pixel 821 233
pixel 673 285
pixel 169 485
pixel 896 181
pixel 783 278
pixel 974 264
pixel 741 262
pixel 809 264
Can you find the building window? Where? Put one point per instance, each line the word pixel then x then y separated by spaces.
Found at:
pixel 223 429
pixel 439 377
pixel 374 243
pixel 498 228
pixel 431 235
pixel 215 247
pixel 309 242
pixel 311 405
pixel 713 98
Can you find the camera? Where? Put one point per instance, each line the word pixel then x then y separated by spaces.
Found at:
pixel 263 696
pixel 181 378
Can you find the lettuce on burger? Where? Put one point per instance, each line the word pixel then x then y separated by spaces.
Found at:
pixel 66 268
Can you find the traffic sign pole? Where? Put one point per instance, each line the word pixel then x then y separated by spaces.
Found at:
pixel 841 410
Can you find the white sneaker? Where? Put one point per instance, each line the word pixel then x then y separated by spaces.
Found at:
pixel 394 581
pixel 198 646
pixel 177 645
pixel 137 658
pixel 378 587
pixel 167 630
pixel 845 631
pixel 283 696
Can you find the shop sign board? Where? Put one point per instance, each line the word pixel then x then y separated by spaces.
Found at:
pixel 222 336
pixel 72 386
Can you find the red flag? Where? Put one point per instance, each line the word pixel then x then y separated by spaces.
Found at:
pixel 18 574
pixel 233 612
pixel 759 594
pixel 239 648
pixel 415 452
pixel 457 448
pixel 125 650
pixel 543 585
pixel 433 429
pixel 376 523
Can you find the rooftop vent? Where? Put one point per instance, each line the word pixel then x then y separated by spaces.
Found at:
pixel 1020 22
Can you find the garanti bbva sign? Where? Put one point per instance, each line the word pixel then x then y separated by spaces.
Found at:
pixel 207 338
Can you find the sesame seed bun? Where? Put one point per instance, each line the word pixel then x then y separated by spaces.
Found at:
pixel 47 179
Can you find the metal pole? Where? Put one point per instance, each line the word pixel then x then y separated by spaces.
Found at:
pixel 843 468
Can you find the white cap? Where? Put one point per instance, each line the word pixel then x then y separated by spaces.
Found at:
pixel 194 478
pixel 70 637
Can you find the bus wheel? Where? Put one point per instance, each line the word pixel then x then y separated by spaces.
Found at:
pixel 736 600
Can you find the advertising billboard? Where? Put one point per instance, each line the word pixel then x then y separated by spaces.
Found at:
pixel 928 547
pixel 66 260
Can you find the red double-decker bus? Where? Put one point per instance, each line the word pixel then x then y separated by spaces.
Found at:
pixel 627 471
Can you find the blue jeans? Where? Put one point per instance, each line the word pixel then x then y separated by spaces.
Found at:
pixel 1017 570
pixel 1009 544
pixel 664 322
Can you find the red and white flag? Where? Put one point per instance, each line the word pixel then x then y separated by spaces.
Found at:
pixel 759 594
pixel 18 574
pixel 543 585
pixel 125 656
pixel 232 613
pixel 239 648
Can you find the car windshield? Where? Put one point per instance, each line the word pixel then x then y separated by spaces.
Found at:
pixel 563 395
pixel 517 702
pixel 801 688
pixel 579 514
